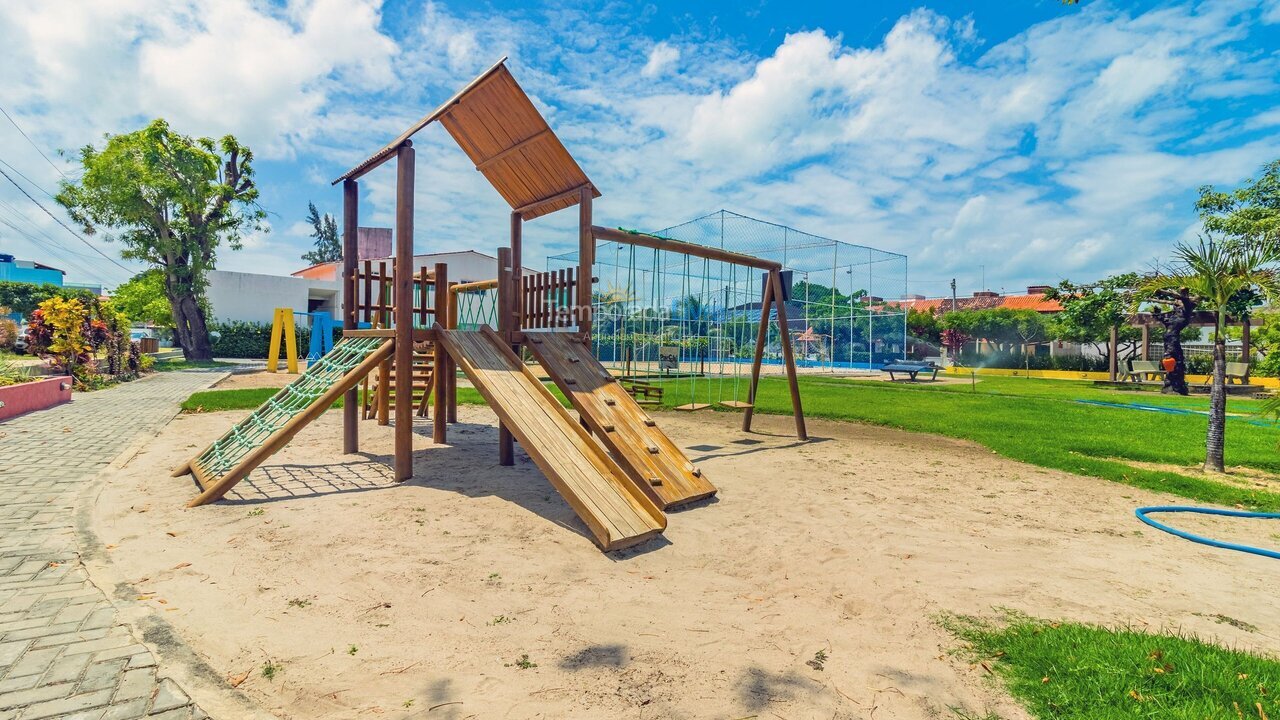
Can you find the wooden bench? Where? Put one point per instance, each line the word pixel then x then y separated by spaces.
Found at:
pixel 911 369
pixel 644 393
pixel 1140 370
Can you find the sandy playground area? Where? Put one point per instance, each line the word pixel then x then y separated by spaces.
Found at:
pixel 474 592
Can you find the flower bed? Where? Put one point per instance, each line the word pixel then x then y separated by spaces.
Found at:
pixel 36 394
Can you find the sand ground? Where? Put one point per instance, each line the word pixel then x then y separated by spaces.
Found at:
pixel 419 600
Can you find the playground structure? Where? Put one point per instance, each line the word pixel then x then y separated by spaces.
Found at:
pixel 688 323
pixel 612 464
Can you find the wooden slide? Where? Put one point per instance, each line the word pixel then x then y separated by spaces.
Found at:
pixel 617 512
pixel 654 462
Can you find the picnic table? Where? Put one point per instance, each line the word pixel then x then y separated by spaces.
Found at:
pixel 912 369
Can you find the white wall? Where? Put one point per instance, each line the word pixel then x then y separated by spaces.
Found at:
pixel 252 297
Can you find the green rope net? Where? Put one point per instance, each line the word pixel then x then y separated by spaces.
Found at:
pixel 251 432
pixel 476 308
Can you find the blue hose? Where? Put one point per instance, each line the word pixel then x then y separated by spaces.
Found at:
pixel 1142 515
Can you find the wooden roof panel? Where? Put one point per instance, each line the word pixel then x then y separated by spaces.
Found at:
pixel 507 139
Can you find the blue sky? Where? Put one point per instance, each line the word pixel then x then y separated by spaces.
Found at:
pixel 1029 141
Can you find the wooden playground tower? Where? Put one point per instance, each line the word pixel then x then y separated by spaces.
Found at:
pixel 619 481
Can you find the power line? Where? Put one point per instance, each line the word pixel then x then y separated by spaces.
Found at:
pixel 19 216
pixel 37 147
pixel 33 183
pixel 50 244
pixel 73 233
pixel 64 261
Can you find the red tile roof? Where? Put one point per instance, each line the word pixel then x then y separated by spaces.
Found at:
pixel 1035 302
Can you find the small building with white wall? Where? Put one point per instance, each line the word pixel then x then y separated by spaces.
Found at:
pixel 252 297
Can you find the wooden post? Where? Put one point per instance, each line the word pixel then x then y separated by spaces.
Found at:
pixel 784 333
pixel 586 259
pixel 350 249
pixel 451 379
pixel 1246 346
pixel 1113 349
pixel 440 403
pixel 382 397
pixel 762 334
pixel 1146 341
pixel 506 443
pixel 403 310
pixel 515 304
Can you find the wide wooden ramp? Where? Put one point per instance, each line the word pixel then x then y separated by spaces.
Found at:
pixel 618 513
pixel 655 462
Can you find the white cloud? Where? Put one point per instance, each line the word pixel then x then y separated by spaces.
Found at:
pixel 1271 11
pixel 210 68
pixel 1070 148
pixel 661 58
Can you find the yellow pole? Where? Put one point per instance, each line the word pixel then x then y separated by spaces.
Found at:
pixel 273 352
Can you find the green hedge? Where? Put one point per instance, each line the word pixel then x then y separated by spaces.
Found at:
pixel 241 339
pixel 1075 363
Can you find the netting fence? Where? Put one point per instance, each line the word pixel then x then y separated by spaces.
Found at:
pixel 664 313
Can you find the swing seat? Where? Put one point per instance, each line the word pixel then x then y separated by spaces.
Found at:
pixel 737 404
pixel 690 407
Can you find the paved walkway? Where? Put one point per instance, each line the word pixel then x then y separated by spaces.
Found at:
pixel 63 652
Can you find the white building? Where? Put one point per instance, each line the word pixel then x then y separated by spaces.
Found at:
pixel 253 297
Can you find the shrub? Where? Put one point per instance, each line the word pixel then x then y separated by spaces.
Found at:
pixel 73 335
pixel 1013 361
pixel 1268 366
pixel 241 339
pixel 11 373
pixel 8 331
pixel 23 298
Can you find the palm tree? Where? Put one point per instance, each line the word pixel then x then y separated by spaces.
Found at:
pixel 1217 272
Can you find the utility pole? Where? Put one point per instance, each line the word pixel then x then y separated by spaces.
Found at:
pixel 953 294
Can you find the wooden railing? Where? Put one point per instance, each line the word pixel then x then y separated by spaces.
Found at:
pixel 374 291
pixel 549 300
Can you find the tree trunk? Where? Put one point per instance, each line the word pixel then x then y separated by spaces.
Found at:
pixel 190 330
pixel 1215 438
pixel 1175 320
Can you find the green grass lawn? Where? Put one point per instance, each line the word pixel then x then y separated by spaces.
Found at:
pixel 1031 420
pixel 1069 671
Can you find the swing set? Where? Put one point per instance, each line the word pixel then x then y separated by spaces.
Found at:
pixel 682 318
pixel 678 317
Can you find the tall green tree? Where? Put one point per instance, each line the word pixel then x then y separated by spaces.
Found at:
pixel 1004 329
pixel 324 228
pixel 1219 273
pixel 171 200
pixel 1091 310
pixel 1249 213
pixel 142 299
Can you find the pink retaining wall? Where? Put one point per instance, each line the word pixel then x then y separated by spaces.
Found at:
pixel 38 395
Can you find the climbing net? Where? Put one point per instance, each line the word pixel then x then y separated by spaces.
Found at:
pixel 476 307
pixel 250 433
pixel 651 304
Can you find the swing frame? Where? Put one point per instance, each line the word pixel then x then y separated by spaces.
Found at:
pixel 771 305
